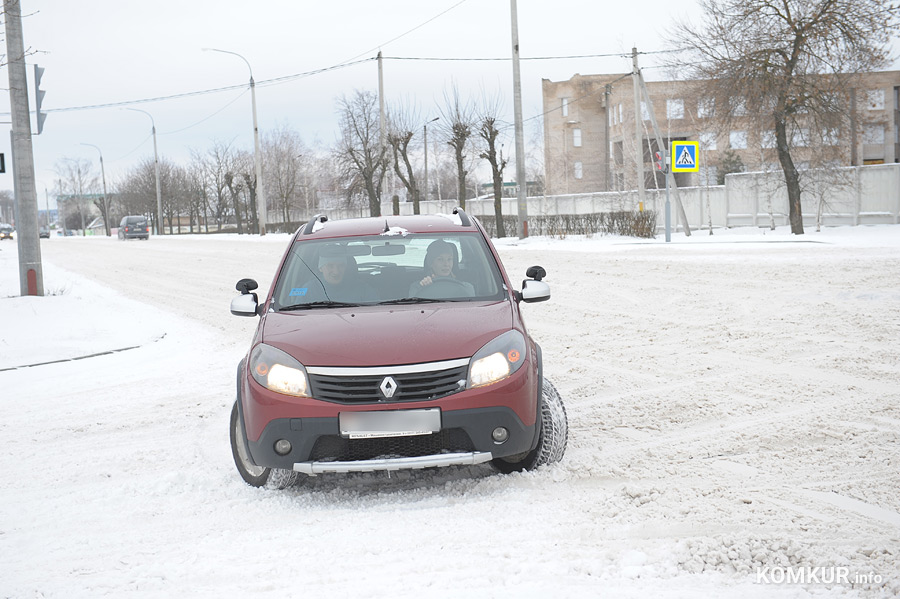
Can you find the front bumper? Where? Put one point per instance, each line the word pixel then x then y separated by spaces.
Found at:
pixel 465 438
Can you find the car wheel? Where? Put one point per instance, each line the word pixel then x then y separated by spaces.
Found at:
pixel 554 433
pixel 253 475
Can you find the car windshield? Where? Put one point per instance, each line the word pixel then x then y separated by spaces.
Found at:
pixel 412 268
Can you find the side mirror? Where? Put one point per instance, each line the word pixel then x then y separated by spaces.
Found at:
pixel 533 289
pixel 247 303
pixel 244 305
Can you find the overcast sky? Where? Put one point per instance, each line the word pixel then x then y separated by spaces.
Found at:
pixel 102 52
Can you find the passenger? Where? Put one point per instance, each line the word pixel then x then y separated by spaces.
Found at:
pixel 441 265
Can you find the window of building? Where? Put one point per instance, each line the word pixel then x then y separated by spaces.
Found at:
pixel 675 109
pixel 706 108
pixel 578 170
pixel 576 138
pixel 707 140
pixel 873 134
pixel 897 98
pixel 737 140
pixel 618 153
pixel 767 140
pixel 645 114
pixel 620 113
pixel 738 107
pixel 565 107
pixel 875 99
pixel 830 136
pixel 800 137
pixel 897 134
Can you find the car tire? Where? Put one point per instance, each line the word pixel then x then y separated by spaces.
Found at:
pixel 253 475
pixel 553 436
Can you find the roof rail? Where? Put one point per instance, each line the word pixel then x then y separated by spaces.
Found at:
pixel 308 229
pixel 463 217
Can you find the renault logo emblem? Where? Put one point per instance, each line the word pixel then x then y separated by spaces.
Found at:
pixel 388 387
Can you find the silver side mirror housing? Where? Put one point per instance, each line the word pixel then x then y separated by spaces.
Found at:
pixel 245 305
pixel 535 291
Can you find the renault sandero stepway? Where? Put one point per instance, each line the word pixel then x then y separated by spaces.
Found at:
pixel 388 344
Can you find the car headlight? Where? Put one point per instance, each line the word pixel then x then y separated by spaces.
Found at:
pixel 278 371
pixel 497 360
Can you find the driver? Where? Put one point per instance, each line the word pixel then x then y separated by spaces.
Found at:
pixel 336 283
pixel 441 263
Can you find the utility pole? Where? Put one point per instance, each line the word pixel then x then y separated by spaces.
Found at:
pixel 381 119
pixel 31 272
pixel 521 191
pixel 159 216
pixel 638 134
pixel 261 207
pixel 606 93
pixel 425 135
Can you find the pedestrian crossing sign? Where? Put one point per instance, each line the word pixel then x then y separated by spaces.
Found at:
pixel 684 156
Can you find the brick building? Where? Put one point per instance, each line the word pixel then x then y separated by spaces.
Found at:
pixel 590 133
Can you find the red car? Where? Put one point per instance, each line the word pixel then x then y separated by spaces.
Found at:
pixel 391 343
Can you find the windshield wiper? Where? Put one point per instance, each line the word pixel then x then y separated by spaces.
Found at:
pixel 413 300
pixel 322 304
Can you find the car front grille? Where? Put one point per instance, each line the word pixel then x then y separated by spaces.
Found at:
pixel 334 448
pixel 420 382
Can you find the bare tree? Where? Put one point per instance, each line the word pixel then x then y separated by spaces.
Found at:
pixel 360 151
pixel 488 122
pixel 212 168
pixel 137 190
pixel 285 155
pixel 403 124
pixel 457 121
pixel 7 206
pixel 787 63
pixel 77 181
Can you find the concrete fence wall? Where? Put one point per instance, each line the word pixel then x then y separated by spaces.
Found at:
pixel 841 196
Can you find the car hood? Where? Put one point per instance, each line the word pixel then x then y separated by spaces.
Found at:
pixel 387 335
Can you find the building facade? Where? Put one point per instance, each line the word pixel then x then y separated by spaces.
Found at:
pixel 590 133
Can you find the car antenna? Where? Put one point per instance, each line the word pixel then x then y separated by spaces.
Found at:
pixel 387 229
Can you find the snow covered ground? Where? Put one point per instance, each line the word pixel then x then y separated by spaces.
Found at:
pixel 734 410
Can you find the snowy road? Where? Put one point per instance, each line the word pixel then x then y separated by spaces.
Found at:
pixel 734 410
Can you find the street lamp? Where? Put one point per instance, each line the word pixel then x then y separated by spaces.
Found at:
pixel 105 196
pixel 260 192
pixel 159 227
pixel 425 133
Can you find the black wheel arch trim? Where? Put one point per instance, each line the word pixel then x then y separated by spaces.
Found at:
pixel 240 408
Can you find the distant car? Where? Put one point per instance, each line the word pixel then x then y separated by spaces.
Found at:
pixel 44 233
pixel 6 231
pixel 134 227
pixel 389 344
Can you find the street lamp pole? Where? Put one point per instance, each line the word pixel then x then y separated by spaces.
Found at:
pixel 425 133
pixel 105 196
pixel 159 218
pixel 260 191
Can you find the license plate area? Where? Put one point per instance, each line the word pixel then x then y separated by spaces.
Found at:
pixel 389 423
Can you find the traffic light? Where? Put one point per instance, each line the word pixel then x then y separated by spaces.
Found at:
pixel 39 97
